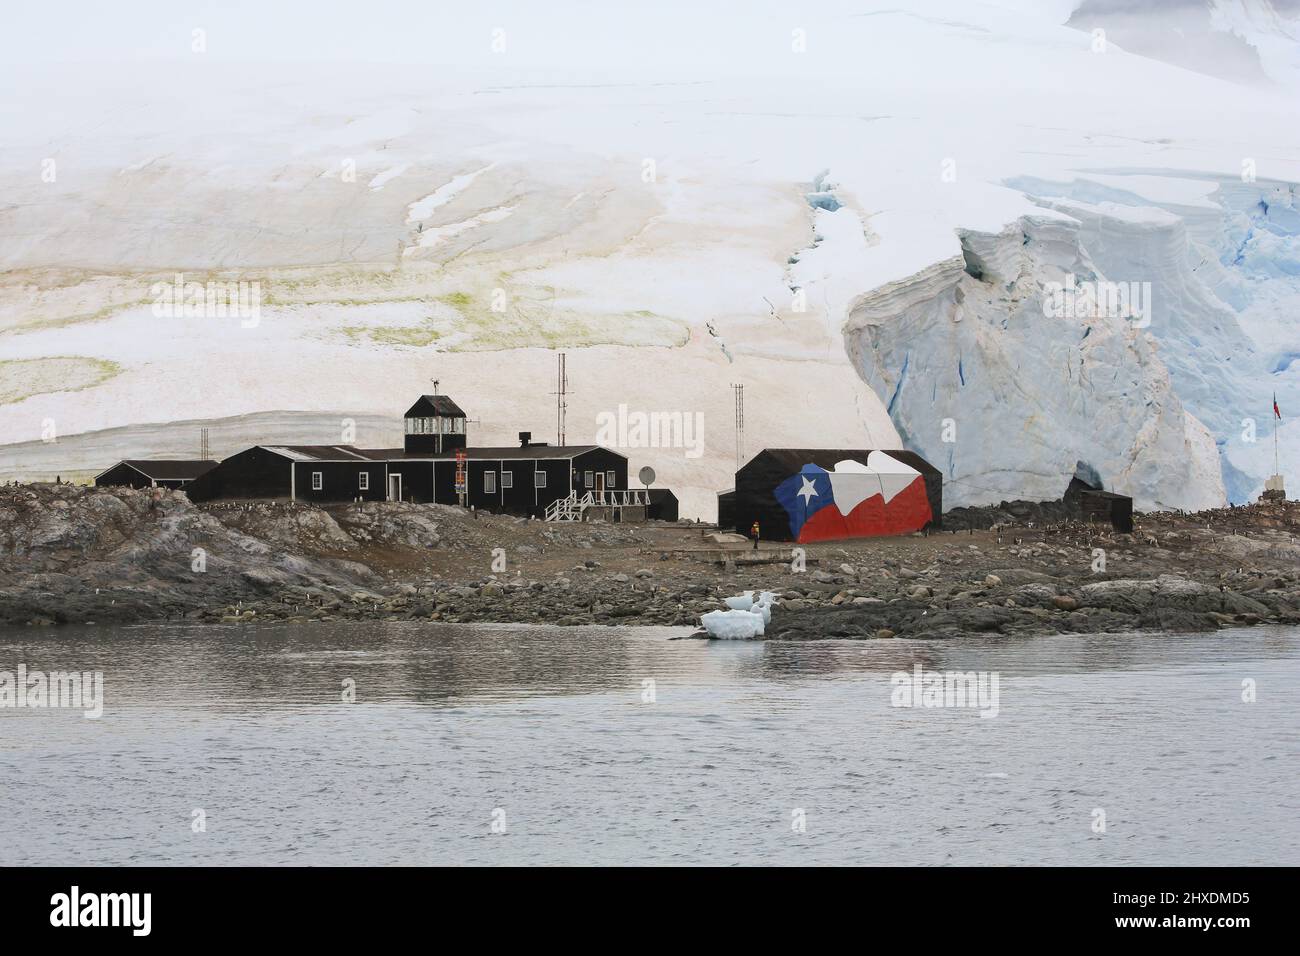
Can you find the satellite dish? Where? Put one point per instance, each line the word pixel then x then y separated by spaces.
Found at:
pixel 647 476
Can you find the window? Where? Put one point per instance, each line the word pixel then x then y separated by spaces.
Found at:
pixel 539 479
pixel 316 481
pixel 587 479
pixel 609 479
pixel 490 482
pixel 363 481
pixel 507 479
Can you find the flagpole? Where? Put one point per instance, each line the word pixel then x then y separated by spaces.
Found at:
pixel 1277 469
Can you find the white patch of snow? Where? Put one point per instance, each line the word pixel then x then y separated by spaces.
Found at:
pixel 422 209
pixel 391 173
pixel 429 238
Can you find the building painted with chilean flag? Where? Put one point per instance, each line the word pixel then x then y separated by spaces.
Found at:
pixel 806 495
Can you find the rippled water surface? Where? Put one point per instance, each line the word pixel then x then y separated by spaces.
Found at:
pixel 599 745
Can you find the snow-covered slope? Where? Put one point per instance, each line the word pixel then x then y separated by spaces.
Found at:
pixel 1246 41
pixel 790 200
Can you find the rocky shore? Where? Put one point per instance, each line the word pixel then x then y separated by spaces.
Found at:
pixel 71 554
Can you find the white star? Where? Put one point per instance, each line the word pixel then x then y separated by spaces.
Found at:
pixel 807 491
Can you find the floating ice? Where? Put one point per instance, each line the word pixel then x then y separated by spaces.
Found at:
pixel 733 625
pixel 749 613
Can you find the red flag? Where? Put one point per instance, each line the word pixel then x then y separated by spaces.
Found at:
pixel 1277 412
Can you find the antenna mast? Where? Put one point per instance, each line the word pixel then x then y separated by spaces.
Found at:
pixel 437 418
pixel 739 391
pixel 561 399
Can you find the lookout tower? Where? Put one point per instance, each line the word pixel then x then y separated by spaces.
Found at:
pixel 434 425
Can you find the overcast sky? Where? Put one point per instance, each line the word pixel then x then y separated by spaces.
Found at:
pixel 540 33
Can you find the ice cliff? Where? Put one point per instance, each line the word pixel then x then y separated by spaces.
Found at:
pixel 1009 401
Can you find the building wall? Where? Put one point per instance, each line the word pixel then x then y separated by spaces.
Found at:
pixel 340 480
pixel 476 496
pixel 557 471
pixel 727 511
pixel 122 476
pixel 599 460
pixel 255 473
pixel 663 505
pixel 417 480
pixel 428 444
pixel 563 475
pixel 517 499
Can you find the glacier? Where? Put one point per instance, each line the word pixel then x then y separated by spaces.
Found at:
pixel 1170 410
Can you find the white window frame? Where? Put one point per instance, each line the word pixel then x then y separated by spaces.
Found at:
pixel 539 479
pixel 317 480
pixel 363 480
pixel 609 480
pixel 507 479
pixel 489 482
pixel 589 479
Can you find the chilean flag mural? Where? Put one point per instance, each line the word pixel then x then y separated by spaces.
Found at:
pixel 853 500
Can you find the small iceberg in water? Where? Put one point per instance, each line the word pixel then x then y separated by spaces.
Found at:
pixel 745 618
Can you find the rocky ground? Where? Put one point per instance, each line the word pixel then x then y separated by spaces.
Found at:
pixel 76 554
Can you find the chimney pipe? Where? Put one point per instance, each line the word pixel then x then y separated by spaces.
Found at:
pixel 525 439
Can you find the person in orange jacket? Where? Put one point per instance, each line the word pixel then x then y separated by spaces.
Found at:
pixel 753 530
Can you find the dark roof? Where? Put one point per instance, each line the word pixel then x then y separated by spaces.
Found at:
pixel 317 452
pixel 509 452
pixel 796 458
pixel 168 469
pixel 1078 488
pixel 351 453
pixel 1109 495
pixel 429 405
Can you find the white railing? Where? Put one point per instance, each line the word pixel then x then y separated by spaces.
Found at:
pixel 568 509
pixel 574 508
pixel 621 499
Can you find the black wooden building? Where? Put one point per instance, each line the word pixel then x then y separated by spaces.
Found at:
pixel 435 424
pixel 154 473
pixel 522 479
pixel 818 494
pixel 1093 504
pixel 663 505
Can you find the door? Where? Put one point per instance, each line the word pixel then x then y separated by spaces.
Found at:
pixel 394 487
pixel 600 487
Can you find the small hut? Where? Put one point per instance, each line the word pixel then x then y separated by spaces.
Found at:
pixel 154 473
pixel 1096 505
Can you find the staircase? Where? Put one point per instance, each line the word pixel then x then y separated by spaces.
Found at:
pixel 574 508
pixel 568 509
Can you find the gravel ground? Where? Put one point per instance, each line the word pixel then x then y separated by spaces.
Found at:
pixel 77 554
